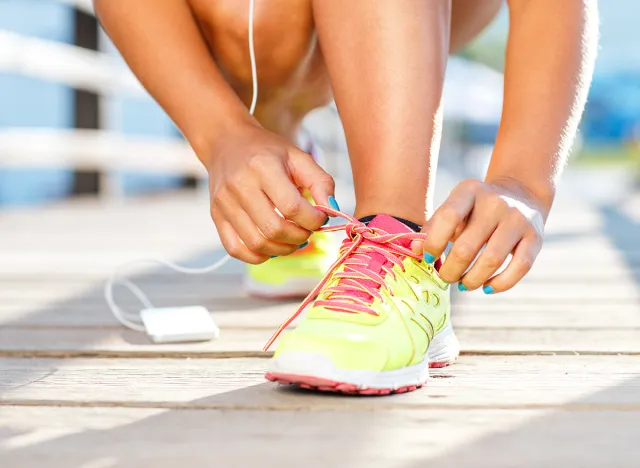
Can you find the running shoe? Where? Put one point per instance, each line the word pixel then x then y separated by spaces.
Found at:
pixel 380 320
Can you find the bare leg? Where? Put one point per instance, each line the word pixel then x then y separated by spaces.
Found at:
pixel 387 61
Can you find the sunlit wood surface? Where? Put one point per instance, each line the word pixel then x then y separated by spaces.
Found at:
pixel 549 375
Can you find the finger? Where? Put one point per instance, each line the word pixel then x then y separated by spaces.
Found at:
pixel 459 230
pixel 524 255
pixel 277 184
pixel 249 232
pixel 273 226
pixel 309 175
pixel 442 226
pixel 231 241
pixel 500 245
pixel 466 248
pixel 417 246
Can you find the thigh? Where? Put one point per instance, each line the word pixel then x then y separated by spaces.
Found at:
pixel 284 39
pixel 292 76
pixel 469 18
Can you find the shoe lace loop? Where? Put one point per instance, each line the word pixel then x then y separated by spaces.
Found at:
pixel 357 249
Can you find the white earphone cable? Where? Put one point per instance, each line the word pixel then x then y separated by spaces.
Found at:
pixel 133 320
pixel 252 58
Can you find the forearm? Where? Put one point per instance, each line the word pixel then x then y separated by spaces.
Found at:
pixel 550 56
pixel 163 46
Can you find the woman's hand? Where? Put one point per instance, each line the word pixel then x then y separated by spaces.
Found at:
pixel 252 172
pixel 500 216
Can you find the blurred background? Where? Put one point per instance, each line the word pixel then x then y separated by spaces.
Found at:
pixel 74 121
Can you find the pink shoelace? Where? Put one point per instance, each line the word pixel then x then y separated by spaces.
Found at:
pixel 357 286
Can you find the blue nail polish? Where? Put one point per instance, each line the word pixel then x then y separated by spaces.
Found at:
pixel 488 289
pixel 334 204
pixel 428 257
pixel 302 246
pixel 462 287
pixel 326 221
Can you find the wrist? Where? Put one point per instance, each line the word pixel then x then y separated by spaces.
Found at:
pixel 538 194
pixel 207 139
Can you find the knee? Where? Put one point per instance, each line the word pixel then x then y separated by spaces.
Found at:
pixel 283 38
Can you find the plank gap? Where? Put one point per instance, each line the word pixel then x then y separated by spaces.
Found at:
pixel 316 406
pixel 101 354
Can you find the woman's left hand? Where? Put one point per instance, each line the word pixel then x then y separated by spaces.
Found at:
pixel 499 216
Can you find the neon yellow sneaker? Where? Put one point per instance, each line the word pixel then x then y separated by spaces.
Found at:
pixel 294 275
pixel 381 315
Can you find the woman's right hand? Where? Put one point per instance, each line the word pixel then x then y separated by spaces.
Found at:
pixel 251 173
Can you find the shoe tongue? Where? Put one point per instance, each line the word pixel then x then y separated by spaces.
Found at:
pixel 392 226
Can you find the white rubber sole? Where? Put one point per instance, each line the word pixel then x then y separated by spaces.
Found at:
pixel 304 367
pixel 444 349
pixel 293 287
pixel 315 370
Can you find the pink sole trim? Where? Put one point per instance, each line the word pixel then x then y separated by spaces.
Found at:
pixel 314 383
pixel 439 365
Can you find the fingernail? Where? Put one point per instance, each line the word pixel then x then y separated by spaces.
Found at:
pixel 334 204
pixel 428 257
pixel 488 289
pixel 326 221
pixel 302 246
pixel 462 287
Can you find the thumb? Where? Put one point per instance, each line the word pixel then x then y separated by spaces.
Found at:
pixel 308 174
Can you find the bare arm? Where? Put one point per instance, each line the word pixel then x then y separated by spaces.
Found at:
pixel 251 171
pixel 550 57
pixel 161 43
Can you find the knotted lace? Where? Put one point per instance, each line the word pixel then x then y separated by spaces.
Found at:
pixel 356 286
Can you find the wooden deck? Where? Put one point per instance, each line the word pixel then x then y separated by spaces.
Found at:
pixel 549 376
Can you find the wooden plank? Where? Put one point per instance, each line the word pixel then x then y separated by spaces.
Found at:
pixel 475 381
pixel 51 262
pixel 235 342
pixel 96 270
pixel 128 438
pixel 219 285
pixel 218 300
pixel 192 208
pixel 158 278
pixel 568 253
pixel 95 248
pixel 232 312
pixel 141 220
